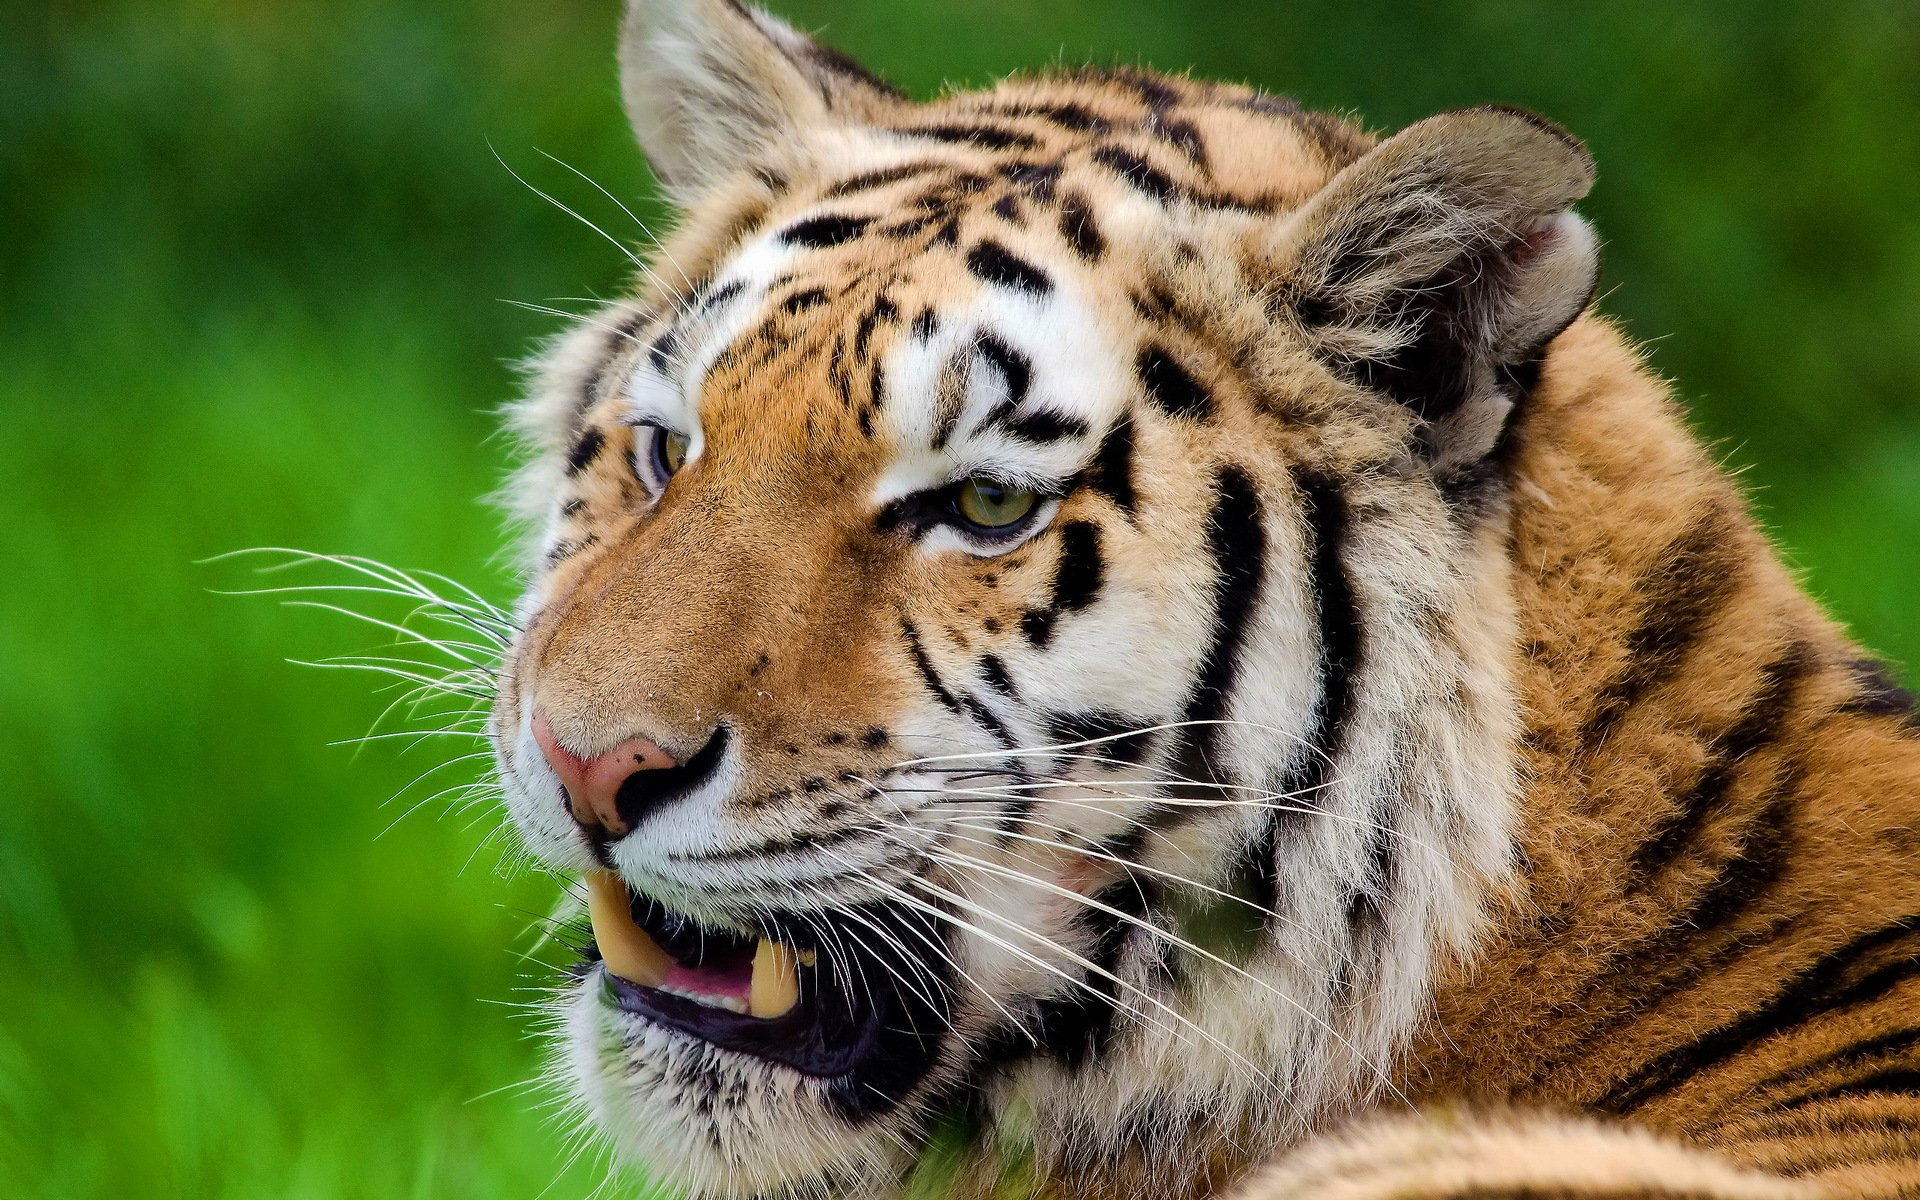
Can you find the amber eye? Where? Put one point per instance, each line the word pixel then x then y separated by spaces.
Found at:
pixel 671 452
pixel 988 505
pixel 659 455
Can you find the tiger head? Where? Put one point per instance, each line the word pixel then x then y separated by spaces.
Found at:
pixel 1020 631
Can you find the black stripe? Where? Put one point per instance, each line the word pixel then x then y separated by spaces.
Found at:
pixel 1112 473
pixel 1014 367
pixel 1078 576
pixel 1693 579
pixel 802 301
pixel 924 666
pixel 838 373
pixel 983 716
pixel 994 672
pixel 1237 545
pixel 1901 1042
pixel 1182 135
pixel 1269 105
pixel 1877 693
pixel 566 549
pixel 1066 116
pixel 1037 625
pixel 1138 172
pixel 1000 266
pixel 1902 1081
pixel 1821 988
pixel 1756 729
pixel 1045 425
pixel 876 395
pixel 1170 386
pixel 1127 742
pixel 1342 645
pixel 1155 92
pixel 1630 985
pixel 883 312
pixel 881 178
pixel 1080 229
pixel 988 137
pixel 585 449
pixel 720 295
pixel 660 354
pixel 821 232
pixel 1076 1028
pixel 1035 179
pixel 1750 870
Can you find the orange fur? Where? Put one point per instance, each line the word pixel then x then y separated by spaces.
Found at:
pixel 1703 977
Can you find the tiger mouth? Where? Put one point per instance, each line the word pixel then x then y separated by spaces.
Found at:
pixel 755 995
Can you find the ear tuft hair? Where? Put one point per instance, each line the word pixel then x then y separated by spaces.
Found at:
pixel 1440 263
pixel 711 84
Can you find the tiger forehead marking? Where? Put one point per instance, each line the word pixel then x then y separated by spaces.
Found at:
pixel 1086 635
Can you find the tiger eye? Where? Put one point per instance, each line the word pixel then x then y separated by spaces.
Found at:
pixel 672 452
pixel 990 505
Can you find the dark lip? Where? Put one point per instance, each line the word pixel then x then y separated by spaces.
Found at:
pixel 872 1038
pixel 813 1038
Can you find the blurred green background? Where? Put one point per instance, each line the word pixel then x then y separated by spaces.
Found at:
pixel 253 255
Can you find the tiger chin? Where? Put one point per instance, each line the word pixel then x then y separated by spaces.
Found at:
pixel 1115 636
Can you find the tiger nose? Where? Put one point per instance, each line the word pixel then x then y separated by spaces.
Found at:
pixel 593 784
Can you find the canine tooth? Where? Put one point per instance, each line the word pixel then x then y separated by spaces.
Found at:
pixel 776 980
pixel 625 948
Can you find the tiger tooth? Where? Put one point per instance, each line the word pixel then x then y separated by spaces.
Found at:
pixel 776 980
pixel 625 948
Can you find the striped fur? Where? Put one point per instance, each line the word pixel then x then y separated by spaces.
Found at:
pixel 1391 764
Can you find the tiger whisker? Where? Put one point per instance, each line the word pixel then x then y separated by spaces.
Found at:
pixel 1134 865
pixel 966 926
pixel 447 676
pixel 409 583
pixel 431 684
pixel 964 860
pixel 1253 1073
pixel 434 608
pixel 934 944
pixel 1086 964
pixel 943 809
pixel 641 225
pixel 419 735
pixel 1053 748
pixel 912 959
pixel 404 631
pixel 1262 799
pixel 577 318
pixel 625 251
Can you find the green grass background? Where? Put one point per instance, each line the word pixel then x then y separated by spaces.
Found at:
pixel 252 259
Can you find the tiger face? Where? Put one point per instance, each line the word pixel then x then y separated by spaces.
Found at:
pixel 1019 628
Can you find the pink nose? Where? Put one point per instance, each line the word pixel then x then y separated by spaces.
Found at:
pixel 593 784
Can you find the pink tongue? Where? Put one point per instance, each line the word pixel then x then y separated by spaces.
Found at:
pixel 734 982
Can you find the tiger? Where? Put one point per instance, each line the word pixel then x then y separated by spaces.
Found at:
pixel 1116 637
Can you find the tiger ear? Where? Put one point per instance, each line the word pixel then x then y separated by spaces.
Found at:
pixel 710 84
pixel 1437 266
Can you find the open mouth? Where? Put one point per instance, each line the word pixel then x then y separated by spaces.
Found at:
pixel 864 1006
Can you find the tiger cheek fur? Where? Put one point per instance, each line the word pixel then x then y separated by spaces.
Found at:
pixel 1118 846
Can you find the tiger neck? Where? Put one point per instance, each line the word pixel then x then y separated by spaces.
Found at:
pixel 1704 753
